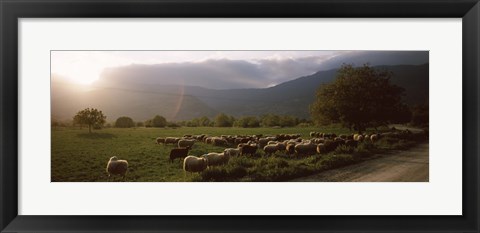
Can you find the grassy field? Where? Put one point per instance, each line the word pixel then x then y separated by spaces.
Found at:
pixel 78 156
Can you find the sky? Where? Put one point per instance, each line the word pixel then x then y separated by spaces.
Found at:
pixel 249 68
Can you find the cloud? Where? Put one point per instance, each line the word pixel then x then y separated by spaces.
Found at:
pixel 225 73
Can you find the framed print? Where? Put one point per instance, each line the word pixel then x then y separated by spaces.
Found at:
pixel 239 116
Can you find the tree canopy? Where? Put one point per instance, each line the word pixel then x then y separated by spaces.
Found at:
pixel 222 120
pixel 358 98
pixel 90 117
pixel 159 121
pixel 124 122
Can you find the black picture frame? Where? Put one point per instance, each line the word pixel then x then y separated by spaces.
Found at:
pixel 11 11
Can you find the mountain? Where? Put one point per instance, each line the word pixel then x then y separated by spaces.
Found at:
pixel 142 101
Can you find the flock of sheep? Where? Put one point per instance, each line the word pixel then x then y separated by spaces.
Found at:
pixel 287 144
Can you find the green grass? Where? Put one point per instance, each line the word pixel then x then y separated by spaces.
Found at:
pixel 78 156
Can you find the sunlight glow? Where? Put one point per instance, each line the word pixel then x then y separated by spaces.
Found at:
pixel 85 67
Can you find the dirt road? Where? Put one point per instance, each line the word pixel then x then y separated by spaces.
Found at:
pixel 403 166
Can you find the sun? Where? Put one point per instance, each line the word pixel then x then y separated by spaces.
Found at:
pixel 79 68
pixel 83 77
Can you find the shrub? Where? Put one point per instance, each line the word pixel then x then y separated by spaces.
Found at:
pixel 344 149
pixel 124 122
pixel 365 148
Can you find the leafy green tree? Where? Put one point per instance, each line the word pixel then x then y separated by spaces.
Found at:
pixel 124 122
pixel 222 120
pixel 358 98
pixel 148 123
pixel 159 121
pixel 91 117
pixel 270 120
pixel 247 122
pixel 203 121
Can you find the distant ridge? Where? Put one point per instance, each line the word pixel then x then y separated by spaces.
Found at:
pixel 143 101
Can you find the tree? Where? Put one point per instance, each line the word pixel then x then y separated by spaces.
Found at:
pixel 159 121
pixel 247 122
pixel 90 117
pixel 124 122
pixel 358 98
pixel 222 120
pixel 140 124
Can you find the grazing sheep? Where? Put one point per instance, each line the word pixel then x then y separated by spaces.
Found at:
pixel 208 140
pixel 186 143
pixel 247 149
pixel 171 140
pixel 215 159
pixel 160 140
pixel 232 151
pixel 374 137
pixel 329 146
pixel 321 149
pixel 281 146
pixel 117 167
pixel 290 149
pixel 194 164
pixel 318 140
pixel 220 142
pixel 178 153
pixel 262 142
pixel 305 149
pixel 270 149
pixel 358 137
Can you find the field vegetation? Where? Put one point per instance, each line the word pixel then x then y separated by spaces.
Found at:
pixel 80 156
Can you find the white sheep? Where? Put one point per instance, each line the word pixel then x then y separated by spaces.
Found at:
pixel 215 159
pixel 182 143
pixel 232 151
pixel 270 149
pixel 194 164
pixel 117 167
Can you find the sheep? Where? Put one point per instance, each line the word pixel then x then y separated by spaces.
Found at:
pixel 374 137
pixel 262 142
pixel 321 148
pixel 305 149
pixel 186 143
pixel 232 151
pixel 215 159
pixel 117 167
pixel 194 164
pixel 171 140
pixel 290 149
pixel 208 140
pixel 178 153
pixel 219 142
pixel 318 140
pixel 281 146
pixel 327 146
pixel 270 149
pixel 160 140
pixel 247 149
pixel 358 137
pixel 199 137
